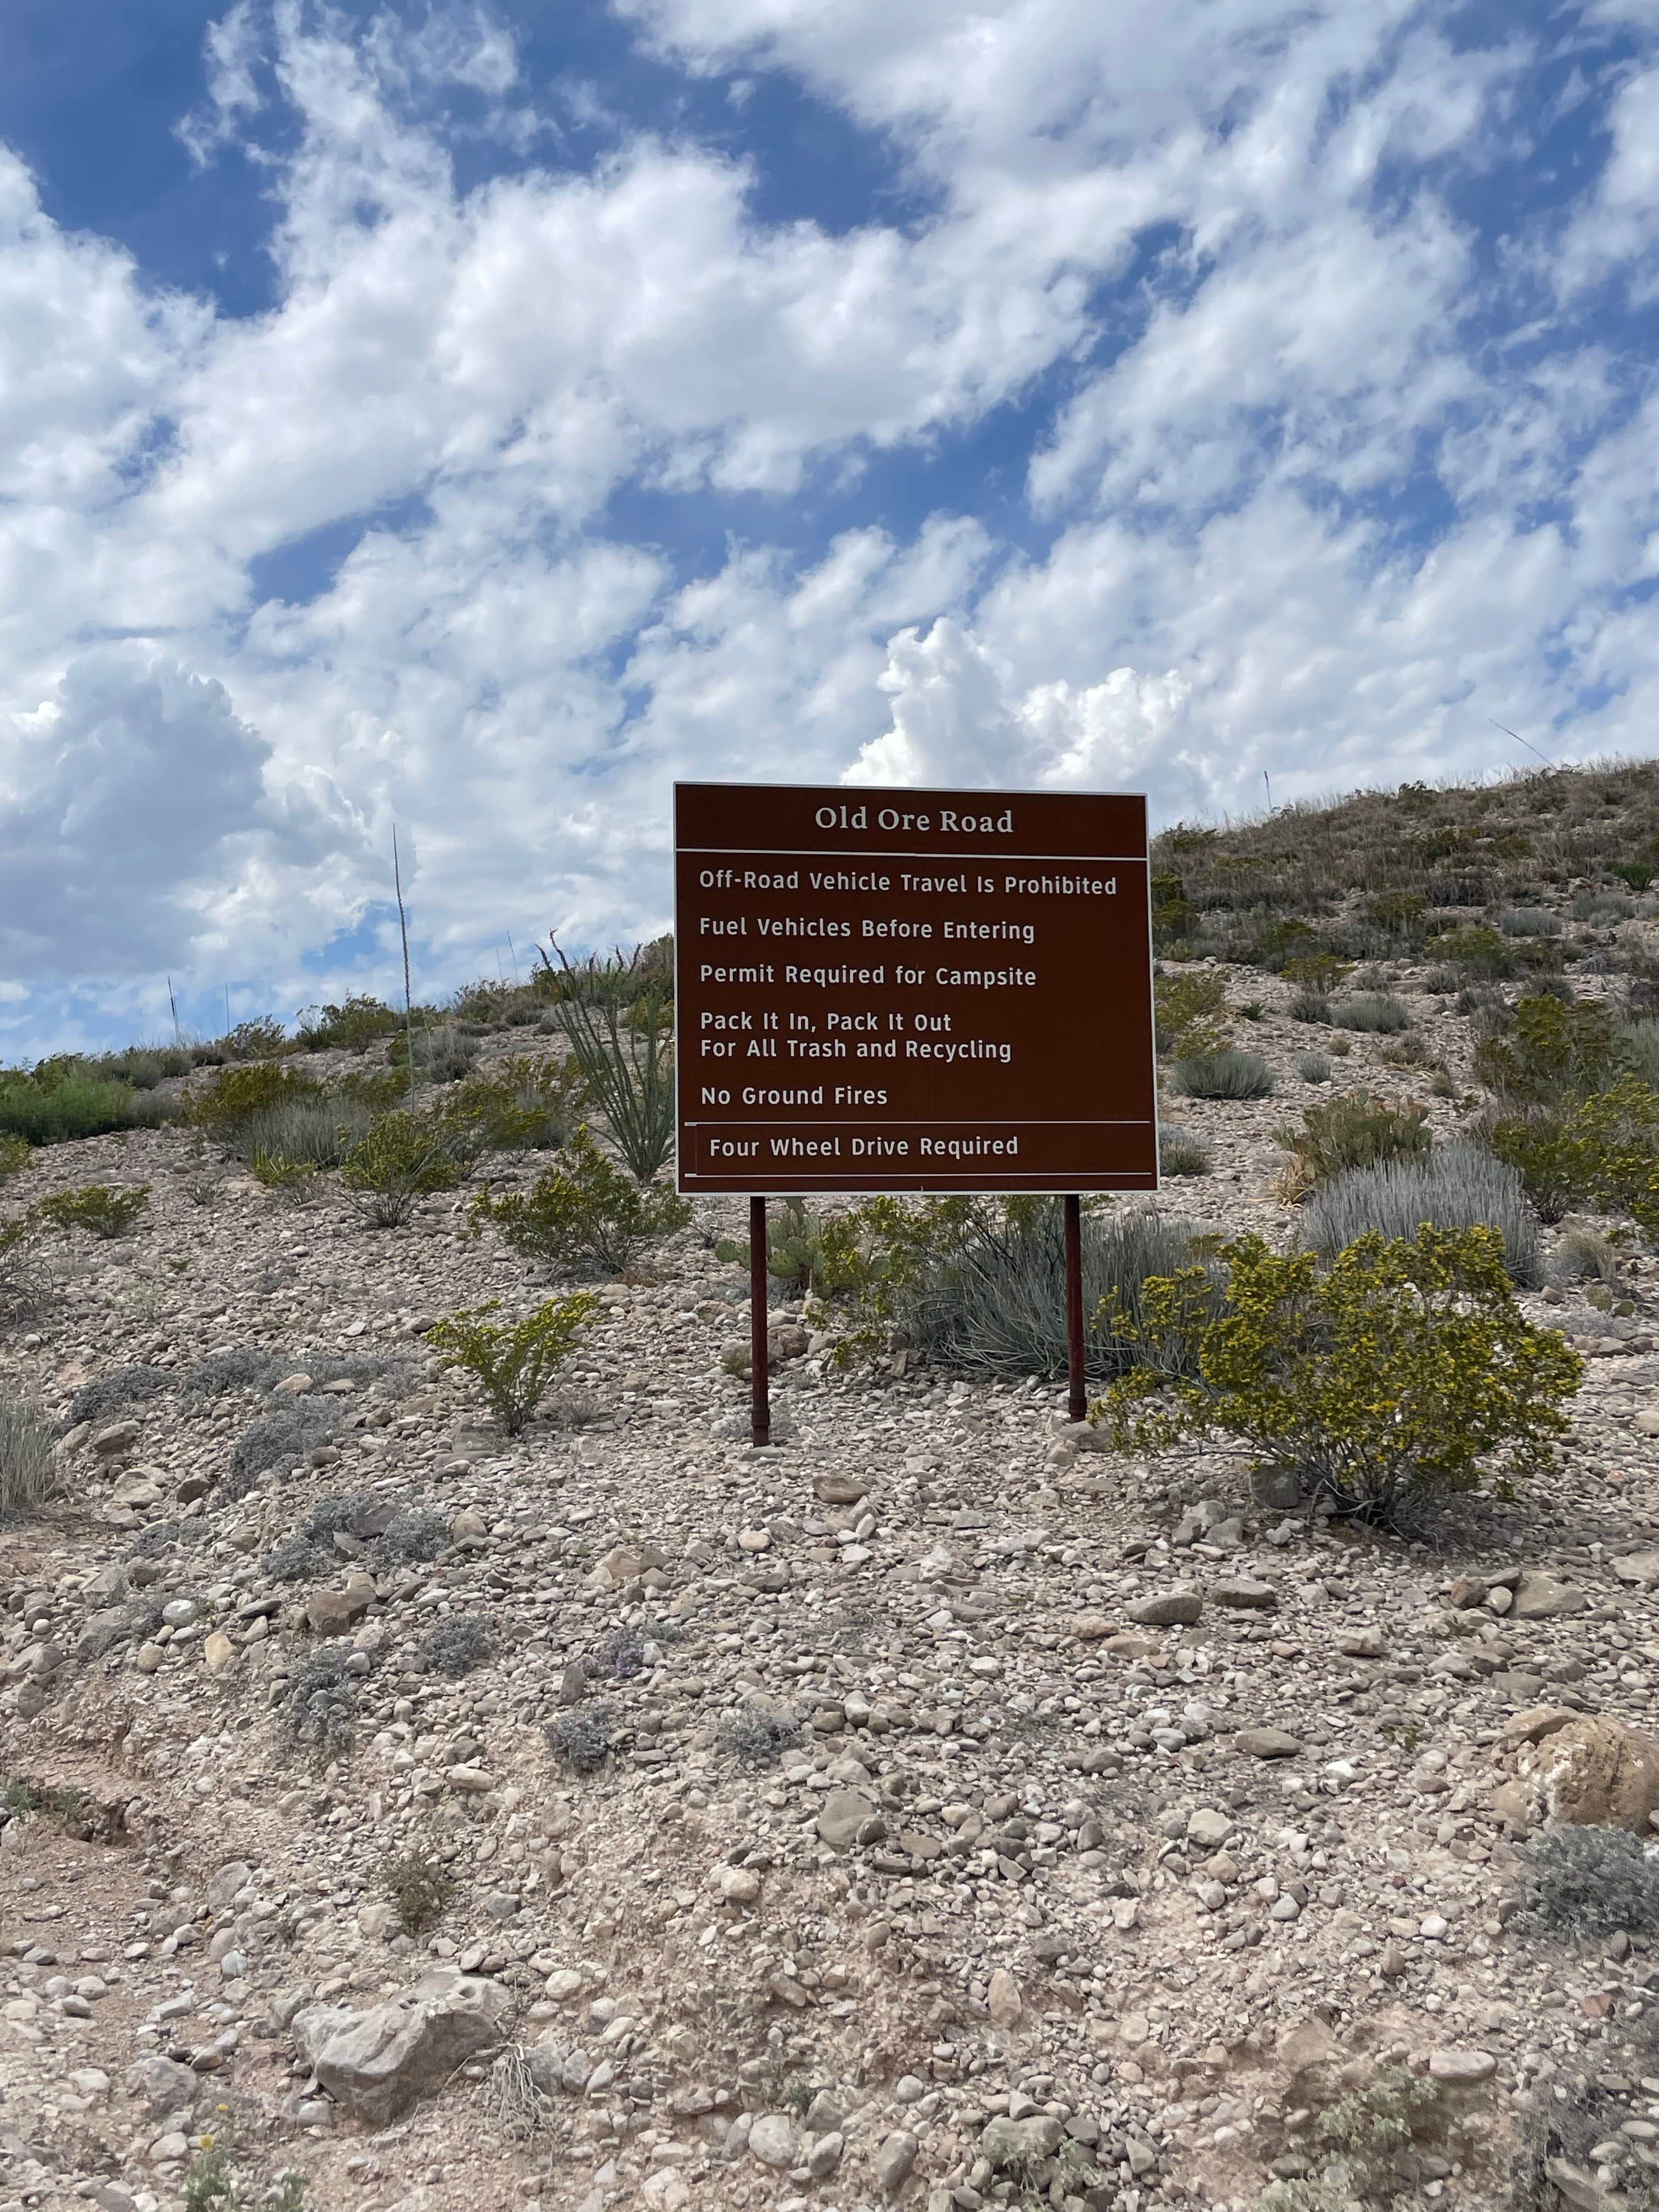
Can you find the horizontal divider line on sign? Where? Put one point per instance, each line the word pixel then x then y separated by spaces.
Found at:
pixel 923 1121
pixel 892 853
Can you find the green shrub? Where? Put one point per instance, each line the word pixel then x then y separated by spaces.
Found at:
pixel 977 1285
pixel 443 1054
pixel 23 1280
pixel 262 1038
pixel 1582 1256
pixel 320 1698
pixel 225 1106
pixel 1354 1130
pixel 794 1246
pixel 1316 974
pixel 1172 914
pixel 1181 1152
pixel 1314 1066
pixel 514 1363
pixel 142 1065
pixel 583 1212
pixel 627 1062
pixel 210 2183
pixel 1390 1374
pixel 1637 1047
pixel 455 1646
pixel 295 1182
pixel 60 1103
pixel 582 1738
pixel 1222 1075
pixel 29 1475
pixel 16 1153
pixel 1483 953
pixel 1602 1150
pixel 1372 1013
pixel 1461 1186
pixel 315 1131
pixel 522 1105
pixel 757 1736
pixel 1551 1051
pixel 400 1158
pixel 100 1211
pixel 419 1887
pixel 1189 1012
pixel 1591 1883
pixel 1310 1006
pixel 356 1024
pixel 1529 922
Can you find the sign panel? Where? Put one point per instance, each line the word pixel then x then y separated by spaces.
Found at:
pixel 912 990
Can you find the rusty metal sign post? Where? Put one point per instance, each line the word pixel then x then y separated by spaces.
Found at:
pixel 896 991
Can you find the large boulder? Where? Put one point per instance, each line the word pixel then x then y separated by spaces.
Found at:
pixel 377 2064
pixel 1593 1772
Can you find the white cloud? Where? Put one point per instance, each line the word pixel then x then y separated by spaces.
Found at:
pixel 136 817
pixel 1330 478
pixel 231 53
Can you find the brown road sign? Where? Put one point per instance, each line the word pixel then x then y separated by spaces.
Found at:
pixel 912 990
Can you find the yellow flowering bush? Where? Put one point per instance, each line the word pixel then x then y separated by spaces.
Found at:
pixel 1398 1369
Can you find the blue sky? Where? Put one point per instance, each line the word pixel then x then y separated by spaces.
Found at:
pixel 475 417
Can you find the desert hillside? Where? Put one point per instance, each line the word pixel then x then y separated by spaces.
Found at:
pixel 407 1809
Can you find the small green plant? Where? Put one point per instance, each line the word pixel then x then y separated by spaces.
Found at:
pixel 1317 973
pixel 757 1735
pixel 1529 922
pixel 456 1646
pixel 295 1182
pixel 402 1157
pixel 261 1038
pixel 63 1100
pixel 1189 1012
pixel 1372 1013
pixel 16 1153
pixel 100 1211
pixel 210 2184
pixel 1475 952
pixel 1222 1075
pixel 1311 1008
pixel 1180 1152
pixel 1603 1150
pixel 235 1095
pixel 1314 1066
pixel 1380 2119
pixel 1457 1186
pixel 622 1043
pixel 23 1281
pixel 320 1698
pixel 522 1105
pixel 1394 1372
pixel 29 1474
pixel 1353 1130
pixel 794 1246
pixel 1582 1256
pixel 514 1362
pixel 583 1211
pixel 1591 1882
pixel 1553 1051
pixel 353 1025
pixel 419 1887
pixel 582 1738
pixel 978 1284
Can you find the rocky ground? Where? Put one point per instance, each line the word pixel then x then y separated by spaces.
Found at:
pixel 930 1810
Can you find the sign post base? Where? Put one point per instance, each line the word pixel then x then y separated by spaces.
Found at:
pixel 1077 1404
pixel 760 1396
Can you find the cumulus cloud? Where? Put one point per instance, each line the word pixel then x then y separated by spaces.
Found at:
pixel 134 809
pixel 543 480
